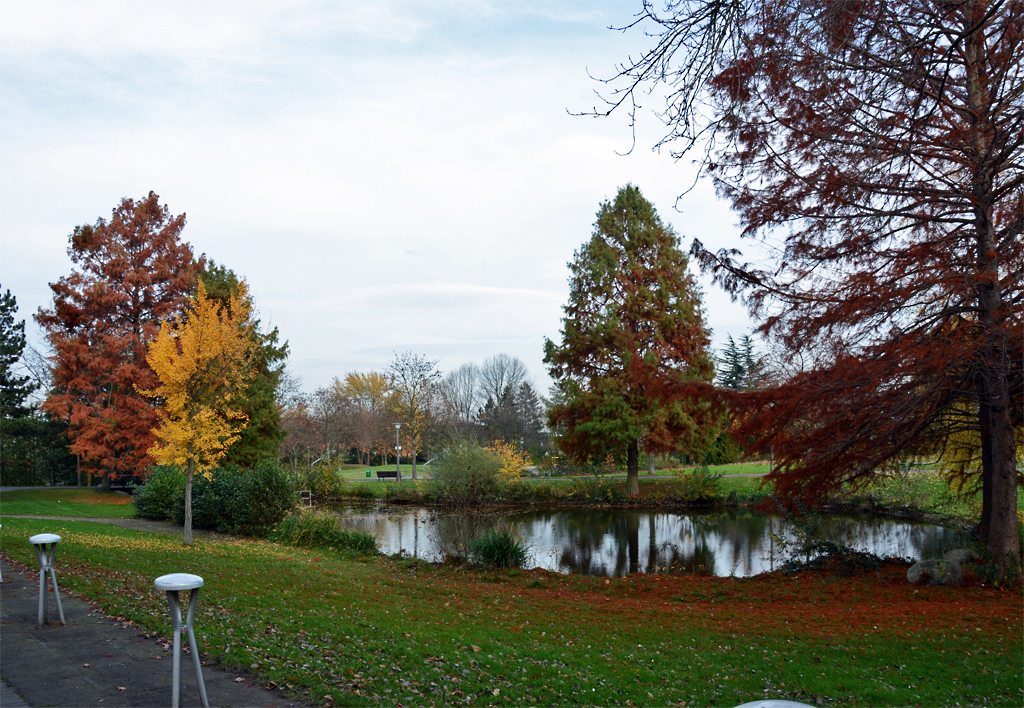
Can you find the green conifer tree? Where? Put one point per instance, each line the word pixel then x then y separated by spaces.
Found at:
pixel 262 437
pixel 14 389
pixel 633 336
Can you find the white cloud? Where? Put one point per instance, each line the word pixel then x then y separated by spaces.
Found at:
pixel 387 175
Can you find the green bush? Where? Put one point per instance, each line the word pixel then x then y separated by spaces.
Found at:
pixel 312 528
pixel 466 474
pixel 360 490
pixel 161 494
pixel 239 501
pixel 500 549
pixel 723 451
pixel 597 490
pixel 697 486
pixel 322 481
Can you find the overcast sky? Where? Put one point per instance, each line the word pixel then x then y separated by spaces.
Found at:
pixel 388 176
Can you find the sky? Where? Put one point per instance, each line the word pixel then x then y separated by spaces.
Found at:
pixel 388 176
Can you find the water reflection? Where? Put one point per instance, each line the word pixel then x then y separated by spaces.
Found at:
pixel 617 542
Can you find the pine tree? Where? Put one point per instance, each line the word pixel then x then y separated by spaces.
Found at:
pixel 633 336
pixel 14 389
pixel 261 438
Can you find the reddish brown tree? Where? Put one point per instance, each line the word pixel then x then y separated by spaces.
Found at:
pixel 132 272
pixel 876 148
pixel 632 335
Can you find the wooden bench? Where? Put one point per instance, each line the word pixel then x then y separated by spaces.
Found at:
pixel 387 474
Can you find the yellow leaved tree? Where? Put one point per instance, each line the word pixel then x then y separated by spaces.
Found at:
pixel 202 362
pixel 960 460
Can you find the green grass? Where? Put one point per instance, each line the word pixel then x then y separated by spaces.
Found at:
pixel 358 472
pixel 67 502
pixel 382 631
pixel 921 491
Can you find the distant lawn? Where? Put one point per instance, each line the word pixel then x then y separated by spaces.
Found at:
pixel 67 502
pixel 358 472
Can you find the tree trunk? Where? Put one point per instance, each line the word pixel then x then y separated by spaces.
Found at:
pixel 999 479
pixel 188 496
pixel 633 469
pixel 414 463
pixel 105 483
pixel 650 463
pixel 999 475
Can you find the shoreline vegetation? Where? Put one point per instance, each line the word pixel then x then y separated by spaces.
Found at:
pixel 919 495
pixel 339 626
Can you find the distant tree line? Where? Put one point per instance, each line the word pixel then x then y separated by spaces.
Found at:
pixel 354 417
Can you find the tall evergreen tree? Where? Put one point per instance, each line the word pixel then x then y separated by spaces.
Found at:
pixel 633 336
pixel 262 437
pixel 741 369
pixel 14 389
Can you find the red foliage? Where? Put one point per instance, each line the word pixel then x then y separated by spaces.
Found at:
pixel 633 339
pixel 876 148
pixel 133 271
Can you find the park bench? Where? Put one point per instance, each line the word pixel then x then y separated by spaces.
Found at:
pixel 387 474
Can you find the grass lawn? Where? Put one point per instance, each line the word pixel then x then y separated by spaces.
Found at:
pixel 369 631
pixel 67 502
pixel 357 472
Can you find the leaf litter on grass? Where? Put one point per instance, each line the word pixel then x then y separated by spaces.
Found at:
pixel 387 632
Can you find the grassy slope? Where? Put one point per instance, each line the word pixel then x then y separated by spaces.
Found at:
pixel 67 502
pixel 381 631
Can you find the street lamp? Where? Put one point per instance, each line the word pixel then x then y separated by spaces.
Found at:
pixel 398 453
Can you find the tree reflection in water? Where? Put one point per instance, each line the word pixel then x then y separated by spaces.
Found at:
pixel 607 542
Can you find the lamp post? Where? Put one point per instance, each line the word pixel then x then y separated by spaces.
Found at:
pixel 398 453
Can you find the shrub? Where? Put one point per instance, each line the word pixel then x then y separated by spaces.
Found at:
pixel 261 498
pixel 466 474
pixel 239 501
pixel 161 494
pixel 360 490
pixel 321 480
pixel 699 485
pixel 314 528
pixel 597 490
pixel 512 461
pixel 500 549
pixel 723 451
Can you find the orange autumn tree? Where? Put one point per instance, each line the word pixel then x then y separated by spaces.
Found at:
pixel 203 362
pixel 131 272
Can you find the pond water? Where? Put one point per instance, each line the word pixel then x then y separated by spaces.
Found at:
pixel 618 542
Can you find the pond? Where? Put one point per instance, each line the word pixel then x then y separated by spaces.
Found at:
pixel 618 542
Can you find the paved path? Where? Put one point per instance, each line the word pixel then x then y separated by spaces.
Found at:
pixel 95 660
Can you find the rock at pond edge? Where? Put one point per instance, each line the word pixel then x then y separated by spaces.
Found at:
pixel 935 572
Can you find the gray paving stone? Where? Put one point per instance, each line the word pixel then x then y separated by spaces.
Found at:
pixel 45 666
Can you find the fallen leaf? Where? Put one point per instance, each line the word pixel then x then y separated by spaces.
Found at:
pixel 239 680
pixel 120 688
pixel 495 692
pixel 474 647
pixel 85 665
